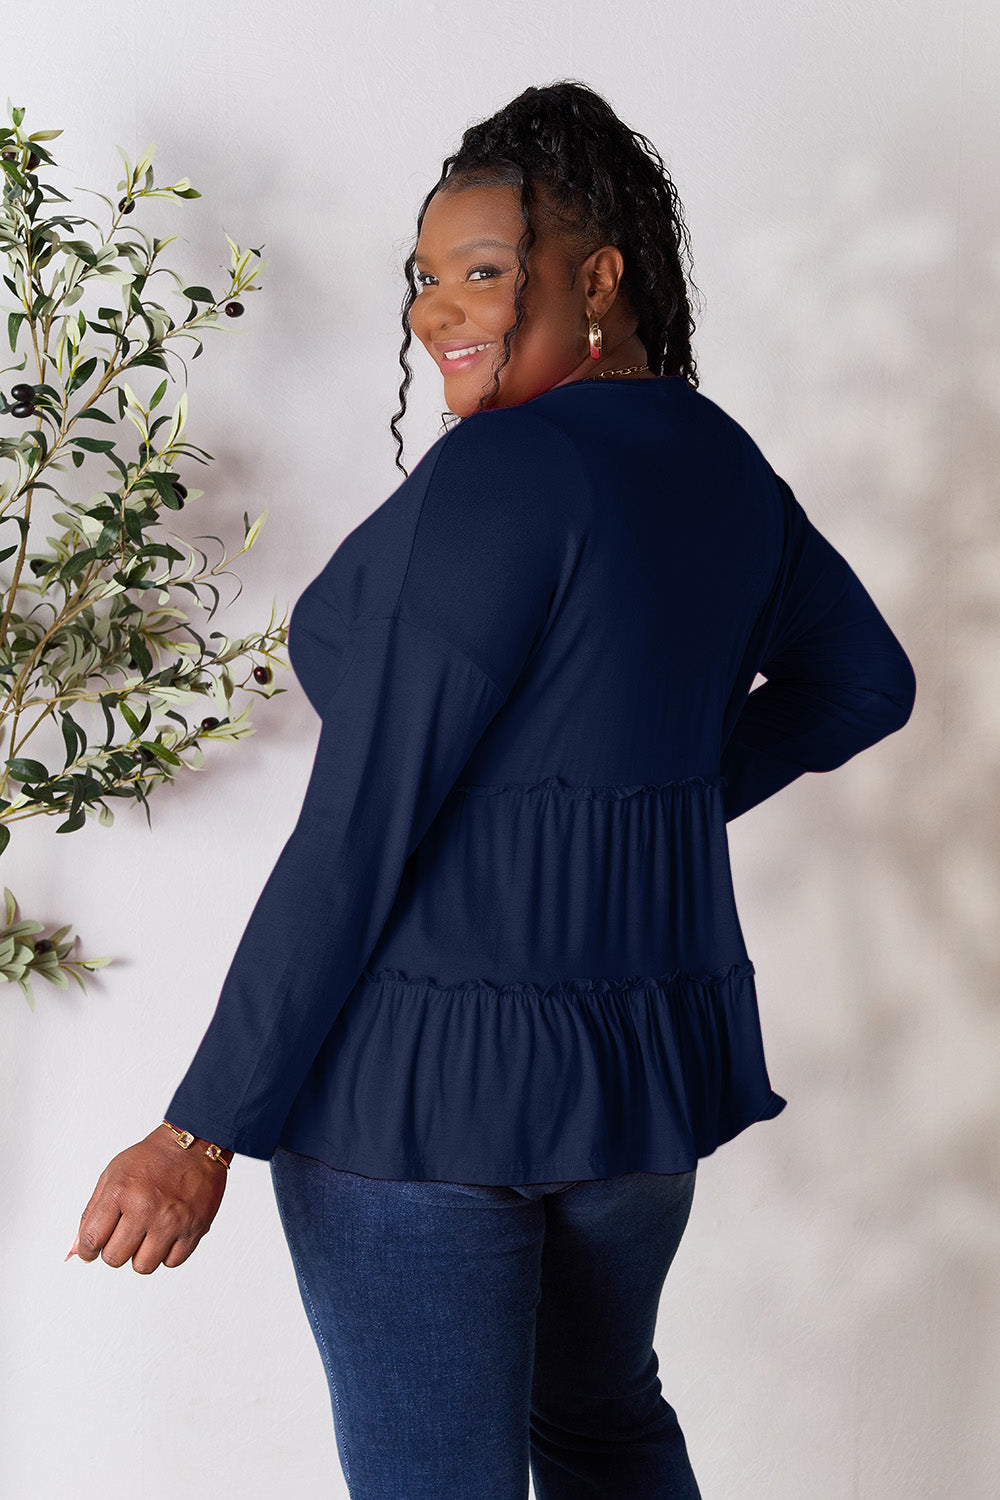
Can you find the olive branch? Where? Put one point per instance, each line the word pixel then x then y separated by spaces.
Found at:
pixel 91 619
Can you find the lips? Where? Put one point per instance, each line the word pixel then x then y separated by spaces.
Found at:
pixel 449 344
pixel 466 360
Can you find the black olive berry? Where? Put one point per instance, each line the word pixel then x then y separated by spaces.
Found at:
pixel 234 309
pixel 33 161
pixel 147 755
pixel 22 409
pixel 210 723
pixel 38 565
pixel 22 392
pixel 126 205
pixel 43 946
pixel 10 155
pixel 262 674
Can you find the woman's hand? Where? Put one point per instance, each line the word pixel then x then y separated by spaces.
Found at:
pixel 152 1203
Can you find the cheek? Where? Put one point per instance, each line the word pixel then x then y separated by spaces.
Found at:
pixel 549 315
pixel 416 316
pixel 492 310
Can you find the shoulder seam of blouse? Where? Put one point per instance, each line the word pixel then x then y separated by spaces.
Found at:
pixel 363 623
pixel 416 524
pixel 337 609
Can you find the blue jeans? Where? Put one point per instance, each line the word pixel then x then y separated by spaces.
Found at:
pixel 468 1331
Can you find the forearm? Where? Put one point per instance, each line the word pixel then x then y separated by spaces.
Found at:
pixel 788 728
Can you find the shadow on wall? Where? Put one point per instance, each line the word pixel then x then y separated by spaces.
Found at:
pixel 890 901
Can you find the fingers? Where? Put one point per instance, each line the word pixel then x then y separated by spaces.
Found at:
pixel 88 1245
pixel 123 1243
pixel 98 1190
pixel 97 1226
pixel 179 1251
pixel 151 1253
pixel 149 1208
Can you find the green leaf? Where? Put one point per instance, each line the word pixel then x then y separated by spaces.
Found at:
pixel 164 486
pixel 130 718
pixel 108 539
pixel 158 395
pixel 156 360
pixel 94 445
pixel 14 321
pixel 83 252
pixel 12 171
pixel 96 415
pixel 38 436
pixel 74 737
pixel 39 484
pixel 133 526
pixel 141 652
pixel 77 563
pixel 161 751
pixel 4 837
pixel 107 702
pixel 23 769
pixel 72 823
pixel 81 375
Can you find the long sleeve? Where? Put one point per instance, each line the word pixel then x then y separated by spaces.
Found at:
pixel 407 644
pixel 838 680
pixel 401 722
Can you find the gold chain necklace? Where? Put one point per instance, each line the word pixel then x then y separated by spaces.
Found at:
pixel 627 370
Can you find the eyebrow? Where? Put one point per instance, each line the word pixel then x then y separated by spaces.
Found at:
pixel 472 245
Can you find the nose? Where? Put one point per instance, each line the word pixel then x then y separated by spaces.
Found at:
pixel 441 309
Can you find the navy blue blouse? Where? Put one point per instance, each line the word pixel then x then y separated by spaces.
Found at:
pixel 501 943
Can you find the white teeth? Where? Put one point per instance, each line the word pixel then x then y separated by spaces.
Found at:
pixel 461 353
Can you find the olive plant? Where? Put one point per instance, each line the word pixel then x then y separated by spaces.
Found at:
pixel 91 619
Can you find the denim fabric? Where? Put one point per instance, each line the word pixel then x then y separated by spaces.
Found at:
pixel 469 1332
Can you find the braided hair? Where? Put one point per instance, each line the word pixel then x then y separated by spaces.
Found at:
pixel 601 183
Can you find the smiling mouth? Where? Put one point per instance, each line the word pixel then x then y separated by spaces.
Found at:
pixel 461 358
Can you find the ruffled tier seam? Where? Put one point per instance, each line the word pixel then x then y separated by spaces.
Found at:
pixel 607 792
pixel 565 988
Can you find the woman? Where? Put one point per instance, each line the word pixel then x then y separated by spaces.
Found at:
pixel 493 1003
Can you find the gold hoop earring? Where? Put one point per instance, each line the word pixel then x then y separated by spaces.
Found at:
pixel 595 336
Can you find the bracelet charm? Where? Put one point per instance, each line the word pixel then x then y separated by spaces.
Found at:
pixel 185 1138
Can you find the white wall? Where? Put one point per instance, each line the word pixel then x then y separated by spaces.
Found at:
pixel 830 1326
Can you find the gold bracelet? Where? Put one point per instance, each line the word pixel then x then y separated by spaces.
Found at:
pixel 186 1139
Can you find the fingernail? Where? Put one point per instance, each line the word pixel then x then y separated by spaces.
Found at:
pixel 72 1249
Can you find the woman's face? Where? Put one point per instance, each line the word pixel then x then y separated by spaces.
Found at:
pixel 466 268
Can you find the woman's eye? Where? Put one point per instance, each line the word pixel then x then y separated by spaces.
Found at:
pixel 423 276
